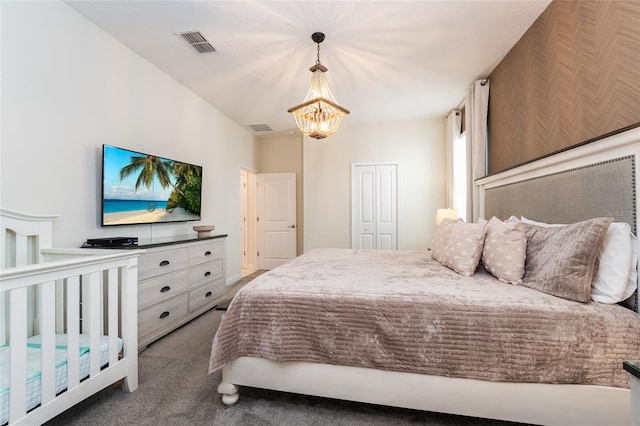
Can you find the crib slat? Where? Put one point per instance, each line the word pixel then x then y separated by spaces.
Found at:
pixel 84 307
pixel 18 353
pixel 3 318
pixel 22 250
pixel 73 331
pixel 95 312
pixel 112 313
pixel 23 256
pixel 48 341
pixel 60 307
pixel 7 251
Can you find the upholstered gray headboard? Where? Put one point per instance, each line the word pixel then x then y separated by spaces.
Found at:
pixel 604 188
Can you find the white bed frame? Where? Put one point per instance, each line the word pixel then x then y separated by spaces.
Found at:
pixel 47 291
pixel 521 402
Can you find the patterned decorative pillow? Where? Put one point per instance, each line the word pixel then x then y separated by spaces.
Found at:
pixel 442 235
pixel 459 246
pixel 505 250
pixel 561 260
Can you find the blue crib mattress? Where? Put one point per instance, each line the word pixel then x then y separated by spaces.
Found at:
pixel 34 365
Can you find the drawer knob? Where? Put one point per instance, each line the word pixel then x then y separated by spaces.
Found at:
pixel 164 314
pixel 207 253
pixel 164 263
pixel 206 274
pixel 165 289
pixel 208 294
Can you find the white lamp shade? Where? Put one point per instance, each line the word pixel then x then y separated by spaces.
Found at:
pixel 443 214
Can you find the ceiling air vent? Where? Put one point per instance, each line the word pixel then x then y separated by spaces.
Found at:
pixel 260 127
pixel 197 41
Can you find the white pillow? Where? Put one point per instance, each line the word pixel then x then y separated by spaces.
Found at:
pixel 612 283
pixel 632 282
pixel 533 222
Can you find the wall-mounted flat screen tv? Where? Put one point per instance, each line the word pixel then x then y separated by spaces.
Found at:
pixel 141 188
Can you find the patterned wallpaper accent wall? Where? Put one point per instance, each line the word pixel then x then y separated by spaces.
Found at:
pixel 573 76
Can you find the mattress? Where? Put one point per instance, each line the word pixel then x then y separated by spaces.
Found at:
pixel 34 365
pixel 402 311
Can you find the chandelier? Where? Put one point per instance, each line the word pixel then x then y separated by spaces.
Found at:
pixel 319 115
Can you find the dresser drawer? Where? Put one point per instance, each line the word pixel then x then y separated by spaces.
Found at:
pixel 205 252
pixel 177 281
pixel 205 273
pixel 163 313
pixel 206 294
pixel 162 288
pixel 160 262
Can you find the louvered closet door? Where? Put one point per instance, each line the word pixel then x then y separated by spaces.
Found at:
pixel 374 206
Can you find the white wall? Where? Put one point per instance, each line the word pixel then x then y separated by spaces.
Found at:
pixel 68 88
pixel 419 148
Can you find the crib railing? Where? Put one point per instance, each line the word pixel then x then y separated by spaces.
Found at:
pixel 78 291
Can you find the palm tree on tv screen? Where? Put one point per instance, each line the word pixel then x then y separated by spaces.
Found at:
pixel 188 186
pixel 151 166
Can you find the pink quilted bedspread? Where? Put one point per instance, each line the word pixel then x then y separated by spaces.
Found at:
pixel 402 311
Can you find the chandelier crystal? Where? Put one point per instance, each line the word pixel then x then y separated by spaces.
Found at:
pixel 319 115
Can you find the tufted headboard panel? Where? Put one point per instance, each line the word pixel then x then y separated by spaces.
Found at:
pixel 595 180
pixel 606 188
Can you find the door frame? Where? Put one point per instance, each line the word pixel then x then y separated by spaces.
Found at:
pixel 251 227
pixel 244 219
pixel 398 165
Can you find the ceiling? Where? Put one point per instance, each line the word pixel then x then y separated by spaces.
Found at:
pixel 387 60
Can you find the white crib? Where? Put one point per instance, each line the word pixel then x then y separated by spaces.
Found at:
pixel 68 321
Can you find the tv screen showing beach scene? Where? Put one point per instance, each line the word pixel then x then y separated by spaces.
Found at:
pixel 141 188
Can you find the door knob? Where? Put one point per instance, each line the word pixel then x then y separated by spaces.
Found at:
pixel 291 226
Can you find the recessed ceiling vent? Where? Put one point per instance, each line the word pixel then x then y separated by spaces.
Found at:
pixel 197 41
pixel 260 127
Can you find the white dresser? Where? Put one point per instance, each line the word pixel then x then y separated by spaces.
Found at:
pixel 177 281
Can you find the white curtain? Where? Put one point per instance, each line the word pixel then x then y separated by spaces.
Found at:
pixel 452 134
pixel 476 111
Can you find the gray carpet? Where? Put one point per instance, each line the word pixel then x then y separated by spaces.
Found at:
pixel 231 291
pixel 175 389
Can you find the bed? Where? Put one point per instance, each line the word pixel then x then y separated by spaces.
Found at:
pixel 68 326
pixel 473 355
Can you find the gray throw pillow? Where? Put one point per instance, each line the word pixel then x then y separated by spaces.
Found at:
pixel 561 260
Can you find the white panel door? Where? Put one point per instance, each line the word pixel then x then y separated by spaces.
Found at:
pixel 276 219
pixel 374 206
pixel 386 207
pixel 364 207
